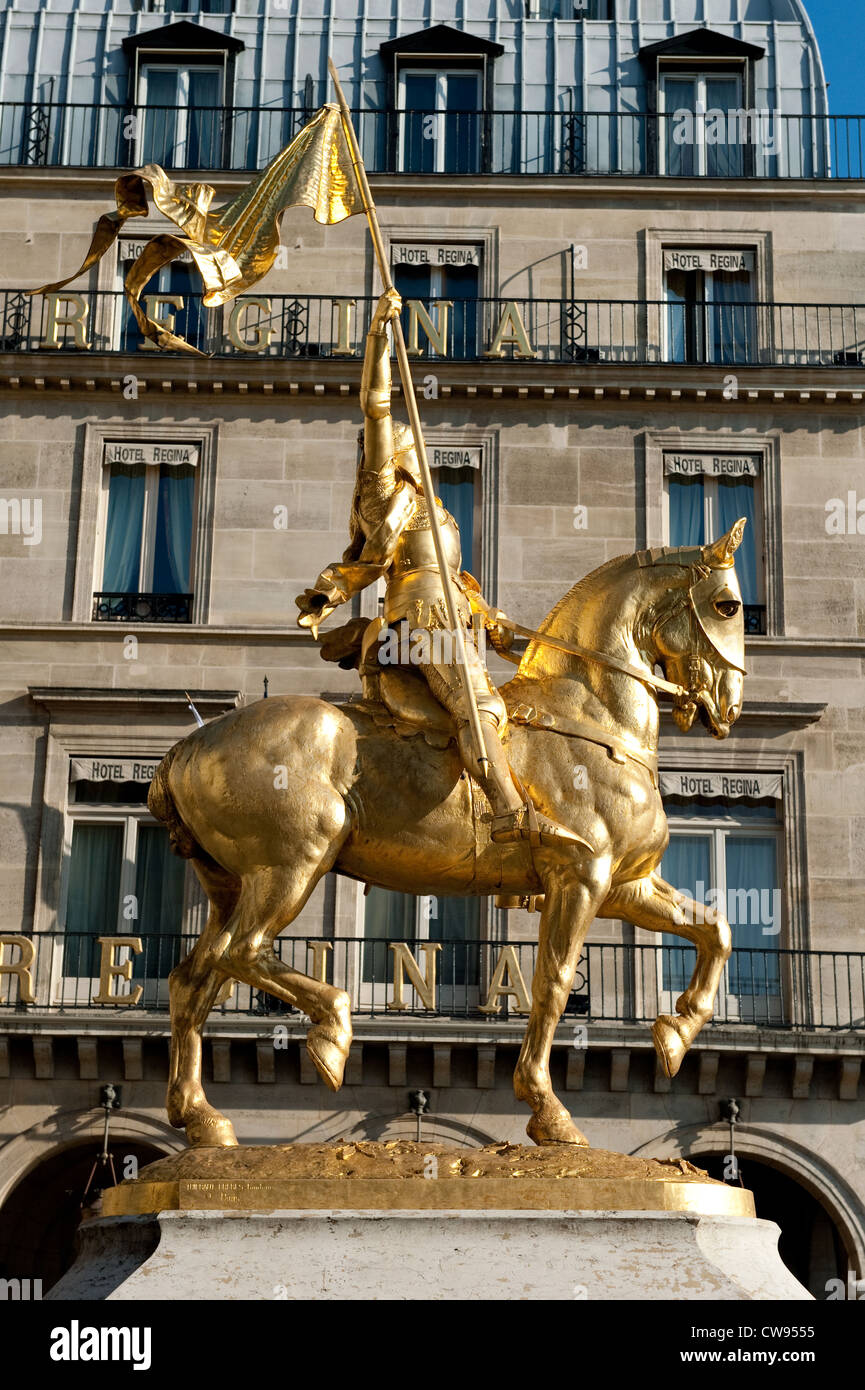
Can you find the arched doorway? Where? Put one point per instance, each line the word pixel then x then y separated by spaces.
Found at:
pixel 811 1245
pixel 41 1215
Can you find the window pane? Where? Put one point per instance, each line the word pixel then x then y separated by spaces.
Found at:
pixel 93 898
pixel 120 571
pixel 734 328
pixel 682 322
pixel 203 142
pixel 462 125
pixel 419 133
pixel 687 518
pixel 456 489
pixel 174 530
pixel 387 917
pixel 736 497
pixel 457 924
pixel 461 286
pixel 159 878
pixel 754 912
pixel 160 117
pixel 687 865
pixel 724 158
pixel 680 96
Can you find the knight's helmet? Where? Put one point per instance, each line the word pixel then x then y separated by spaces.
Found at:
pixel 714 593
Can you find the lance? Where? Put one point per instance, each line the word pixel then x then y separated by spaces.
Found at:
pixel 417 432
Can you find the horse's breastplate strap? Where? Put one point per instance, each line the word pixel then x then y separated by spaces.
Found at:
pixel 617 748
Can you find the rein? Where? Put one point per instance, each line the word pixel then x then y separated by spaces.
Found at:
pixel 572 649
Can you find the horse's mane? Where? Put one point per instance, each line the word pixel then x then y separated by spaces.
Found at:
pixel 584 590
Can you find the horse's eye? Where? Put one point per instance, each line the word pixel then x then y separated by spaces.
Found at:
pixel 728 607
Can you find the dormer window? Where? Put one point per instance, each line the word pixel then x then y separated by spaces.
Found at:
pixel 440 85
pixel 701 87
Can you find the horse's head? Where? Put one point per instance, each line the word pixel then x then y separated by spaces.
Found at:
pixel 698 631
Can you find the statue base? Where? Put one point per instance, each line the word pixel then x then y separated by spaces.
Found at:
pixel 412 1221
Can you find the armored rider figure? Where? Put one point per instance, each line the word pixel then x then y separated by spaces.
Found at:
pixel 391 538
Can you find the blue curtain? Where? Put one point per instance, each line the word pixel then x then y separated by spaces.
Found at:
pixel 679 95
pixel 686 510
pixel 456 920
pixel 160 120
pixel 93 898
pixel 159 878
pixel 687 865
pixel 456 489
pixel 461 286
pixel 734 326
pixel 205 110
pixel 736 498
pixel 173 549
pixel 680 316
pixel 752 906
pixel 724 160
pixel 462 124
pixel 120 571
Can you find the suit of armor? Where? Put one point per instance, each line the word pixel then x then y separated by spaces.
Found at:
pixel 391 538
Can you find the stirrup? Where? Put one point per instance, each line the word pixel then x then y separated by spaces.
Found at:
pixel 526 824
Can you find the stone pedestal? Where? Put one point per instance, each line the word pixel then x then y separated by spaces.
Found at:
pixel 414 1221
pixel 438 1255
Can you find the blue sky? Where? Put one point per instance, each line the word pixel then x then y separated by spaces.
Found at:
pixel 840 29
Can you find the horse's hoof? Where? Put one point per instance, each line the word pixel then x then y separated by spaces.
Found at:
pixel 211 1132
pixel 668 1044
pixel 560 1130
pixel 328 1046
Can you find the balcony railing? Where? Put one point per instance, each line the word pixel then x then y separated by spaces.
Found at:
pixel 463 143
pixel 583 332
pixel 814 990
pixel 142 608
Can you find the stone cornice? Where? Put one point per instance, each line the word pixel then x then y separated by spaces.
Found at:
pixel 481 188
pixel 575 384
pixel 64 699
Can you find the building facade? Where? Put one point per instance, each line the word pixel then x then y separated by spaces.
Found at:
pixel 628 238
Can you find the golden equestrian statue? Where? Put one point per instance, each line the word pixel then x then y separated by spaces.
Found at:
pixel 368 801
pixel 377 789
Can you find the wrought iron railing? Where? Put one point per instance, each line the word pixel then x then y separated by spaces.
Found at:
pixel 766 987
pixel 142 608
pixel 583 332
pixel 745 144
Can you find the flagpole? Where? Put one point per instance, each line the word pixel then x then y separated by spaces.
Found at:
pixel 417 432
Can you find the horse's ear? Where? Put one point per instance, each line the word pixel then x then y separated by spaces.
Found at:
pixel 720 553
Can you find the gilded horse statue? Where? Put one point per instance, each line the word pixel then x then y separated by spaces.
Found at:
pixel 268 798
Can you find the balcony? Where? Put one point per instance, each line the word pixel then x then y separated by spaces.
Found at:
pixel 604 333
pixel 816 991
pixel 456 143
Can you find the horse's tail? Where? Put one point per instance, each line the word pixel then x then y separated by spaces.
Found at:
pixel 160 804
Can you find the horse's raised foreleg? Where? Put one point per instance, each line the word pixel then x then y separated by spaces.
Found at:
pixel 572 896
pixel 653 903
pixel 193 987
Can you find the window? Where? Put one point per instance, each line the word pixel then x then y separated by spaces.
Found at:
pixel 702 503
pixel 148 505
pixel 450 274
pixel 726 855
pixel 698 136
pixel 180 121
pixel 440 120
pixel 122 878
pixel 711 314
pixel 172 297
pixel 455 922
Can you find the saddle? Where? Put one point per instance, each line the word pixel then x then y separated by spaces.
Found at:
pixel 396 696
